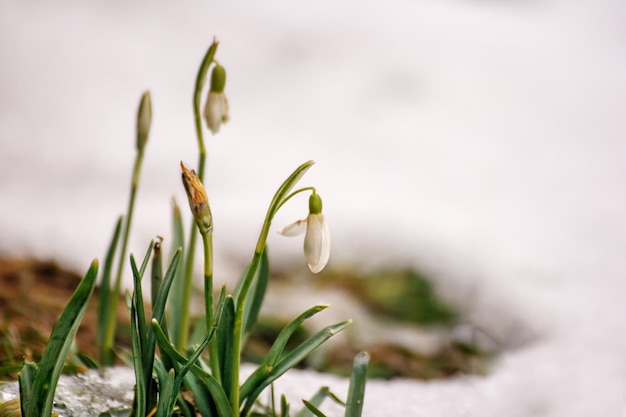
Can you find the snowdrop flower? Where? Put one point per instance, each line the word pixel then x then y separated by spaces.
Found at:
pixel 316 238
pixel 216 107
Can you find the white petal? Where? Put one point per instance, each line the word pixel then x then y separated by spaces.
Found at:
pixel 294 229
pixel 215 111
pixel 317 243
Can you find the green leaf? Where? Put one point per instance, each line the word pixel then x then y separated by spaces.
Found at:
pixel 283 337
pixel 257 382
pixel 176 299
pixel 277 350
pixel 256 294
pixel 225 342
pixel 284 406
pixel 316 400
pixel 167 396
pixel 202 397
pixel 358 379
pixel 313 409
pixel 104 313
pixel 286 186
pixel 61 338
pixel 26 378
pixel 210 383
pixel 157 272
pixel 137 342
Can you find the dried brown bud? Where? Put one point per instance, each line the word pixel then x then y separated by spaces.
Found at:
pixel 198 201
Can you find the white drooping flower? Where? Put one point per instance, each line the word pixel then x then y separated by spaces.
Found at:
pixel 316 235
pixel 216 107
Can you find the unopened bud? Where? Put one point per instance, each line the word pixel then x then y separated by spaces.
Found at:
pixel 198 201
pixel 218 79
pixel 315 204
pixel 144 120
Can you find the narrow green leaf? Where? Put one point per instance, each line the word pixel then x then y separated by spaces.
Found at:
pixel 284 406
pixel 157 272
pixel 147 343
pixel 61 338
pixel 87 361
pixel 358 379
pixel 211 384
pixel 26 378
pixel 256 294
pixel 225 342
pixel 316 400
pixel 287 362
pixel 313 409
pixel 104 313
pixel 139 313
pixel 287 185
pixel 285 334
pixel 202 397
pixel 137 340
pixel 277 349
pixel 167 396
pixel 176 299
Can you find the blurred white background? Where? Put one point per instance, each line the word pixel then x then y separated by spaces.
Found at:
pixel 483 141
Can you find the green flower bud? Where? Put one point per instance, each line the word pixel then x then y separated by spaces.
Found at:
pixel 144 120
pixel 218 79
pixel 315 204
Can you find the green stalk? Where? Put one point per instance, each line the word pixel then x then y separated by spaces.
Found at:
pixel 109 336
pixel 275 204
pixel 188 274
pixel 207 240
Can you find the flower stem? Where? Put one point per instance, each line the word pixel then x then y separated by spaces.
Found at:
pixel 277 201
pixel 109 336
pixel 181 343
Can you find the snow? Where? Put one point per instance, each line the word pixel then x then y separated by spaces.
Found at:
pixel 481 141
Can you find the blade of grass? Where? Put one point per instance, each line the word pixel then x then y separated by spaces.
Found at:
pixel 61 338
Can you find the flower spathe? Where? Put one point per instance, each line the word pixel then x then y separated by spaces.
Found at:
pixel 316 237
pixel 216 107
pixel 198 201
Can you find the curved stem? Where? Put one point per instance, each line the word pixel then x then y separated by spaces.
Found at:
pixel 298 191
pixel 191 246
pixel 277 201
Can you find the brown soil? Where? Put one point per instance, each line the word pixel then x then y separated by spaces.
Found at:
pixel 33 294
